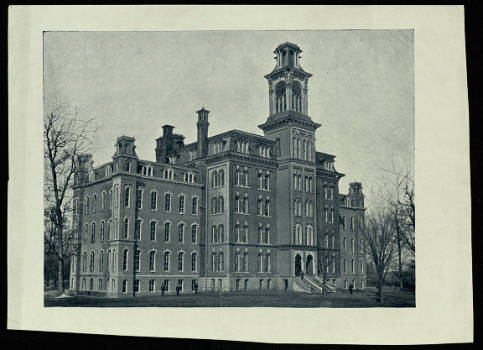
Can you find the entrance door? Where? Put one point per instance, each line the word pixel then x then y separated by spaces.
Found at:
pixel 309 266
pixel 298 265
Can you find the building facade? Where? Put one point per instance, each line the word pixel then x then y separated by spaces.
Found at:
pixel 231 212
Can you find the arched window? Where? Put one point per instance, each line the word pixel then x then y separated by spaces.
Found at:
pixel 353 270
pixel 109 266
pixel 221 175
pixel 167 227
pixel 181 233
pixel 152 261
pixel 127 197
pixel 266 182
pixel 237 203
pixel 267 207
pixel 152 233
pixel 93 233
pixel 125 259
pixel 166 261
pixel 167 202
pixel 127 166
pixel 213 262
pixel 124 286
pixel 181 204
pixel 296 96
pixel 245 262
pixel 194 233
pixel 126 228
pixel 237 232
pixel 221 233
pixel 91 263
pixel 280 97
pixel 221 204
pixel 267 263
pixel 194 256
pixel 214 204
pixel 86 211
pixel 109 230
pixel 102 231
pixel 154 200
pixel 344 244
pixel 194 206
pixel 310 235
pixel 245 204
pixel 137 228
pixel 244 237
pixel 237 262
pixel 137 260
pixel 101 261
pixel 266 238
pixel 345 266
pixel 180 261
pixel 221 262
pixel 103 201
pixel 214 235
pixel 260 207
pixel 352 245
pixel 214 178
pixel 260 180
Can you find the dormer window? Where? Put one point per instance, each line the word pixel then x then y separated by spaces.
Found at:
pixel 189 177
pixel 108 170
pixel 172 159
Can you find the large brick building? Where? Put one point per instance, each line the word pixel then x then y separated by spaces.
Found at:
pixel 233 211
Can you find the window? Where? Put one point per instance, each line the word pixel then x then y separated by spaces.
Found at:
pixel 221 204
pixel 345 266
pixel 181 204
pixel 180 285
pixel 326 212
pixel 214 204
pixel 166 285
pixel 180 261
pixel 260 234
pixel 109 266
pixel 333 242
pixel 84 262
pixel 126 228
pixel 181 233
pixel 152 261
pixel 137 260
pixel 91 264
pixel 266 238
pixel 237 204
pixel 86 233
pixel 344 244
pixel 260 262
pixel 137 229
pixel 101 261
pixel 124 259
pixel 213 262
pixel 237 232
pixel 102 231
pixel 221 233
pixel 94 203
pixel 99 286
pixel 154 200
pixel 214 235
pixel 91 284
pixel 332 215
pixel 194 208
pixel 168 174
pixel 193 261
pixel 153 231
pixel 214 179
pixel 361 246
pixel 245 262
pixel 151 285
pixel 237 262
pixel 267 263
pixel 221 176
pixel 260 207
pixel 267 207
pixel 103 201
pixel 352 266
pixel 167 202
pixel 244 237
pixel 352 223
pixel 245 204
pixel 127 166
pixel 136 286
pixel 127 196
pixel 86 211
pixel 221 262
pixel 194 233
pixel 266 183
pixel 166 231
pixel 93 233
pixel 352 245
pixel 166 261
pixel 343 221
pixel 310 235
pixel 139 199
pixel 362 267
pixel 260 180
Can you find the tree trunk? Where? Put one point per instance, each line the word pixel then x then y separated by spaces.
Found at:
pixel 379 289
pixel 60 285
pixel 398 236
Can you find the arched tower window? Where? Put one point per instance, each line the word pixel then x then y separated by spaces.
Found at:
pixel 280 97
pixel 296 97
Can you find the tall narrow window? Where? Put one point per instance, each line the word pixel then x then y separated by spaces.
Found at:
pixel 214 236
pixel 181 233
pixel 194 208
pixel 127 197
pixel 213 262
pixel 152 235
pixel 166 261
pixel 221 233
pixel 152 261
pixel 193 261
pixel 102 231
pixel 260 234
pixel 181 204
pixel 180 261
pixel 139 199
pixel 126 228
pixel 260 181
pixel 194 233
pixel 86 207
pixel 266 238
pixel 93 233
pixel 124 259
pixel 137 260
pixel 94 203
pixel 221 204
pixel 167 202
pixel 237 262
pixel 137 229
pixel 245 262
pixel 267 207
pixel 166 231
pixel 221 175
pixel 221 262
pixel 154 200
pixel 91 264
pixel 103 201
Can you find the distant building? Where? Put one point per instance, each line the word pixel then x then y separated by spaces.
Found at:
pixel 231 212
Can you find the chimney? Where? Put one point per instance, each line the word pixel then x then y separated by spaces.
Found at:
pixel 202 126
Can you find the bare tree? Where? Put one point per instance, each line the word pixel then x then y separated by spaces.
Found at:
pixel 379 235
pixel 65 136
pixel 327 257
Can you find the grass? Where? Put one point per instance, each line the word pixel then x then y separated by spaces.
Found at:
pixel 393 297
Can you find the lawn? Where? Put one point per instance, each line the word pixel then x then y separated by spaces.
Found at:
pixel 393 297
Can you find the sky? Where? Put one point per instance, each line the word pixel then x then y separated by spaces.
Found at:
pixel 132 83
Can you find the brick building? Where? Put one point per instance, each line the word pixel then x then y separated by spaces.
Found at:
pixel 233 211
